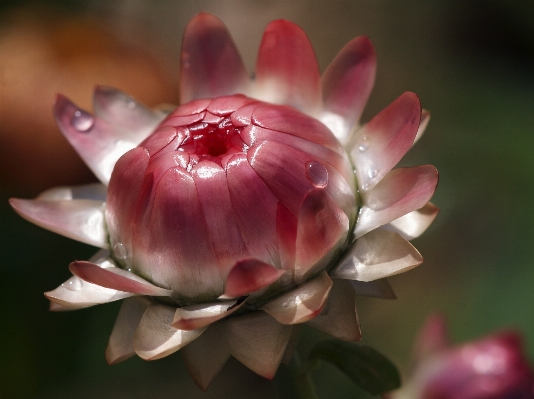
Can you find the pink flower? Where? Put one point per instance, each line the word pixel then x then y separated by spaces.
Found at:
pixel 493 367
pixel 264 200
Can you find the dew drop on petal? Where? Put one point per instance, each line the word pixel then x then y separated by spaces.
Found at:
pixel 317 174
pixel 365 186
pixel 82 121
pixel 363 147
pixel 372 173
pixel 120 251
pixel 73 284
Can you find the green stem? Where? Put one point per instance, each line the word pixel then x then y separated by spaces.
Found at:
pixel 303 383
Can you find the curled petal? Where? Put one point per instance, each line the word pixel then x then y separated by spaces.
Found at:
pixel 120 344
pixel 347 84
pixel 210 63
pixel 116 278
pixel 302 303
pixel 378 254
pixel 98 143
pixel 381 143
pixel 75 294
pixel 258 341
pixel 201 315
pixel 206 355
pixel 376 289
pixel 248 276
pixel 425 118
pixel 339 317
pixel 156 338
pixel 413 224
pixel 81 220
pixel 92 191
pixel 286 69
pixel 126 115
pixel 400 192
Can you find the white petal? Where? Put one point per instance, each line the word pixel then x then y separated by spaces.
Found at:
pixel 413 224
pixel 156 338
pixel 93 191
pixel 120 344
pixel 292 344
pixel 258 341
pixel 201 315
pixel 425 118
pixel 81 220
pixel 378 254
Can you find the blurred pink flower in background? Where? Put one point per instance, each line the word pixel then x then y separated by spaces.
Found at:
pixel 253 207
pixel 494 367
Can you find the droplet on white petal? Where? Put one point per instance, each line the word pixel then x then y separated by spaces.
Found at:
pixel 82 121
pixel 120 251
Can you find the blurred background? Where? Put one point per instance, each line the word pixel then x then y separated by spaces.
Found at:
pixel 470 61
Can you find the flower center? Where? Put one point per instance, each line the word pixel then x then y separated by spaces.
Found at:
pixel 212 141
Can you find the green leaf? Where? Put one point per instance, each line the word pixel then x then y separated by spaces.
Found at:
pixel 369 369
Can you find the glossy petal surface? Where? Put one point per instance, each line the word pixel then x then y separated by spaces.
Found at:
pixel 248 276
pixel 198 316
pixel 415 223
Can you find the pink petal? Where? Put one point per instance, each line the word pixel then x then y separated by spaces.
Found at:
pixel 339 318
pixel 206 356
pixel 413 224
pixel 171 238
pixel 425 118
pixel 123 194
pixel 400 192
pixel 98 143
pixel 258 341
pixel 286 69
pixel 115 278
pixel 290 121
pixel 202 315
pixel 124 113
pixel 248 276
pixel 286 230
pixel 214 197
pixel 376 289
pixel 254 206
pixel 322 226
pixel 225 105
pixel 183 120
pixel 243 116
pixel 377 254
pixel 432 337
pixel 92 191
pixel 156 338
pixel 192 107
pixel 347 84
pixel 302 303
pixel 120 344
pixel 210 64
pixel 81 220
pixel 381 143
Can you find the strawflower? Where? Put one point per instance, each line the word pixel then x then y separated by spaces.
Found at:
pixel 253 207
pixel 493 367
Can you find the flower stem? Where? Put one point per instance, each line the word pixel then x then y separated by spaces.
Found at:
pixel 302 381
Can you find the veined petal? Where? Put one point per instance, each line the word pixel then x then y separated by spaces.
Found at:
pixel 131 118
pixel 376 289
pixel 377 254
pixel 302 303
pixel 380 144
pixel 258 341
pixel 413 224
pixel 339 317
pixel 250 275
pixel 322 225
pixel 98 143
pixel 115 278
pixel 206 355
pixel 201 315
pixel 425 118
pixel 120 344
pixel 156 338
pixel 81 220
pixel 76 294
pixel 347 84
pixel 210 64
pixel 214 197
pixel 225 105
pixel 255 207
pixel 92 191
pixel 400 192
pixel 286 69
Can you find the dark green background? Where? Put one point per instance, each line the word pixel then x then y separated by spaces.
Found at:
pixel 472 64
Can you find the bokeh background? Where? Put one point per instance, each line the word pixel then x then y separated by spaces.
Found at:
pixel 470 61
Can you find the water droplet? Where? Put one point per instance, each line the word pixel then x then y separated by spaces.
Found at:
pixel 365 186
pixel 120 251
pixel 363 147
pixel 73 284
pixel 131 103
pixel 82 121
pixel 317 174
pixel 129 269
pixel 372 173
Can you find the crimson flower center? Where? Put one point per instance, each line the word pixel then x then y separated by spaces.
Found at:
pixel 209 141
